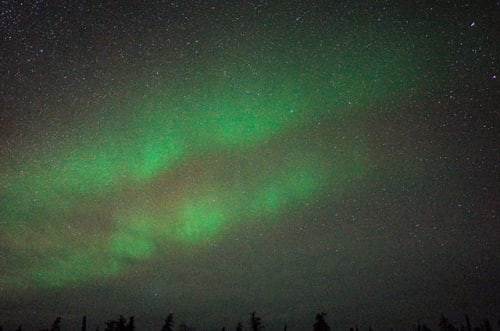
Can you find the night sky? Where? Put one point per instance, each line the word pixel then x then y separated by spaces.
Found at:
pixel 212 158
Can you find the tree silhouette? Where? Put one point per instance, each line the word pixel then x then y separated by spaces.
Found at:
pixel 84 323
pixel 445 325
pixel 121 324
pixel 56 326
pixel 169 323
pixel 110 325
pixel 131 324
pixel 320 324
pixel 425 328
pixel 467 321
pixel 255 322
pixel 487 325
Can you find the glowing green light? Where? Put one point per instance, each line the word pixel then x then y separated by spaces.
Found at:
pixel 77 267
pixel 134 240
pixel 265 104
pixel 201 219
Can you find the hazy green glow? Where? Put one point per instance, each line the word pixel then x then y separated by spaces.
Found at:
pixel 133 240
pixel 77 267
pixel 275 194
pixel 231 109
pixel 201 219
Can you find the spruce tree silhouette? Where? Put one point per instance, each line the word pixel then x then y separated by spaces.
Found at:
pixel 131 324
pixel 255 322
pixel 84 323
pixel 239 327
pixel 467 322
pixel 487 325
pixel 56 326
pixel 320 324
pixel 445 325
pixel 169 323
pixel 110 325
pixel 425 328
pixel 120 324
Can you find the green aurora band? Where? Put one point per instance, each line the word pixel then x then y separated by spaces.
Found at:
pixel 181 168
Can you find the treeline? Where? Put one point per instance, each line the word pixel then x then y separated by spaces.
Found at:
pixel 255 323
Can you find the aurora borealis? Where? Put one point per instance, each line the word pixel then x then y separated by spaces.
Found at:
pixel 216 158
